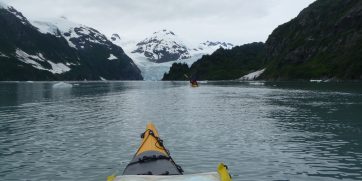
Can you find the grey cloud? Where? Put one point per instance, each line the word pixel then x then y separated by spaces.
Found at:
pixel 236 21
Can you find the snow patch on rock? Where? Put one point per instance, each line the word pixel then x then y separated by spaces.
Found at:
pixel 253 75
pixel 317 81
pixel 58 68
pixel 112 57
pixel 33 60
pixel 3 55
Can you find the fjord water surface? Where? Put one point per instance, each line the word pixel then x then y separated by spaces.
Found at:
pixel 270 131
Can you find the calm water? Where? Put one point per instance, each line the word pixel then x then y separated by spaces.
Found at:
pixel 276 131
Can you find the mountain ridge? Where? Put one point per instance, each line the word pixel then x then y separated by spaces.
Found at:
pixel 29 54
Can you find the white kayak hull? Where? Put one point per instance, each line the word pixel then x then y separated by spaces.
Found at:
pixel 211 176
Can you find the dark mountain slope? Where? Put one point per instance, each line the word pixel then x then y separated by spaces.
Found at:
pixel 323 42
pixel 178 71
pixel 223 64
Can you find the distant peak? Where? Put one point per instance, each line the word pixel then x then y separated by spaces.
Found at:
pixel 164 31
pixel 115 37
pixel 162 46
pixel 217 43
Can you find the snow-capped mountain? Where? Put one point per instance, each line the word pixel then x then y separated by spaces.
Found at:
pixel 58 50
pixel 78 36
pixel 167 45
pixel 163 46
pixel 209 47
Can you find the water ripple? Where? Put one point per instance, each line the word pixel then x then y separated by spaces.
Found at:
pixel 275 131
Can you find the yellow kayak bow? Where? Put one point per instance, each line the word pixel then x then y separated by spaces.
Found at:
pixel 152 162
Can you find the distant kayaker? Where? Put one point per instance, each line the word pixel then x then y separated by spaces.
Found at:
pixel 193 81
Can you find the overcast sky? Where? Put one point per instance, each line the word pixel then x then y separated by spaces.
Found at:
pixel 195 21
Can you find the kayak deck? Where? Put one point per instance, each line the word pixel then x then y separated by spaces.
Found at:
pixel 152 158
pixel 152 162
